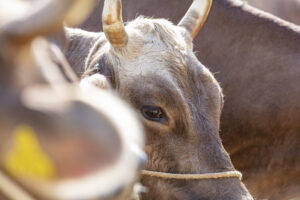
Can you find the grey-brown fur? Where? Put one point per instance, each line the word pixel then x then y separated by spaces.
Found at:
pixel 158 68
pixel 256 59
pixel 259 72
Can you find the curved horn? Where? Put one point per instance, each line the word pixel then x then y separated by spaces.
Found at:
pixel 195 17
pixel 112 23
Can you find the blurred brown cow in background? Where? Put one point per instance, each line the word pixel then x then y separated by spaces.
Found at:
pixel 285 9
pixel 57 142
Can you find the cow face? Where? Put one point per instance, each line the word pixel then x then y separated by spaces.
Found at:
pixel 151 64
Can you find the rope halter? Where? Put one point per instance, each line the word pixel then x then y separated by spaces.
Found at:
pixel 165 175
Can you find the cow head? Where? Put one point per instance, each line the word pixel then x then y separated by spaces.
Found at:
pixel 151 64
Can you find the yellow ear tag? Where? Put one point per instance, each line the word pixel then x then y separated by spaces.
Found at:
pixel 26 158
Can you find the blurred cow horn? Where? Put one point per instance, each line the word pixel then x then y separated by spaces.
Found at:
pixel 45 18
pixel 195 16
pixel 112 21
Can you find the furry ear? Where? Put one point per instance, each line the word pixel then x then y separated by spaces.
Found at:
pixel 96 80
pixel 79 43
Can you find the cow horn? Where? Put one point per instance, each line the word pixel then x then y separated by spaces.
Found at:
pixel 195 17
pixel 112 23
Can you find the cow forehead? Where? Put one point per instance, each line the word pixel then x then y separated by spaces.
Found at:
pixel 154 45
pixel 154 61
pixel 156 73
pixel 156 50
pixel 156 34
pixel 158 80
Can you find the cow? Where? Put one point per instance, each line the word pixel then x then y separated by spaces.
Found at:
pixel 56 140
pixel 288 9
pixel 151 65
pixel 255 57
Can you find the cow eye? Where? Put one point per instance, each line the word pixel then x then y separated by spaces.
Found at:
pixel 153 113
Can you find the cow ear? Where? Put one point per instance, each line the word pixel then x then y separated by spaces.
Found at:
pixel 79 43
pixel 95 80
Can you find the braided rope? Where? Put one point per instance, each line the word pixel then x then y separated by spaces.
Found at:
pixel 165 175
pixel 228 174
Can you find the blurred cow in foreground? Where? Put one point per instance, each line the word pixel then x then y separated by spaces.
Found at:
pixel 57 141
pixel 151 64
